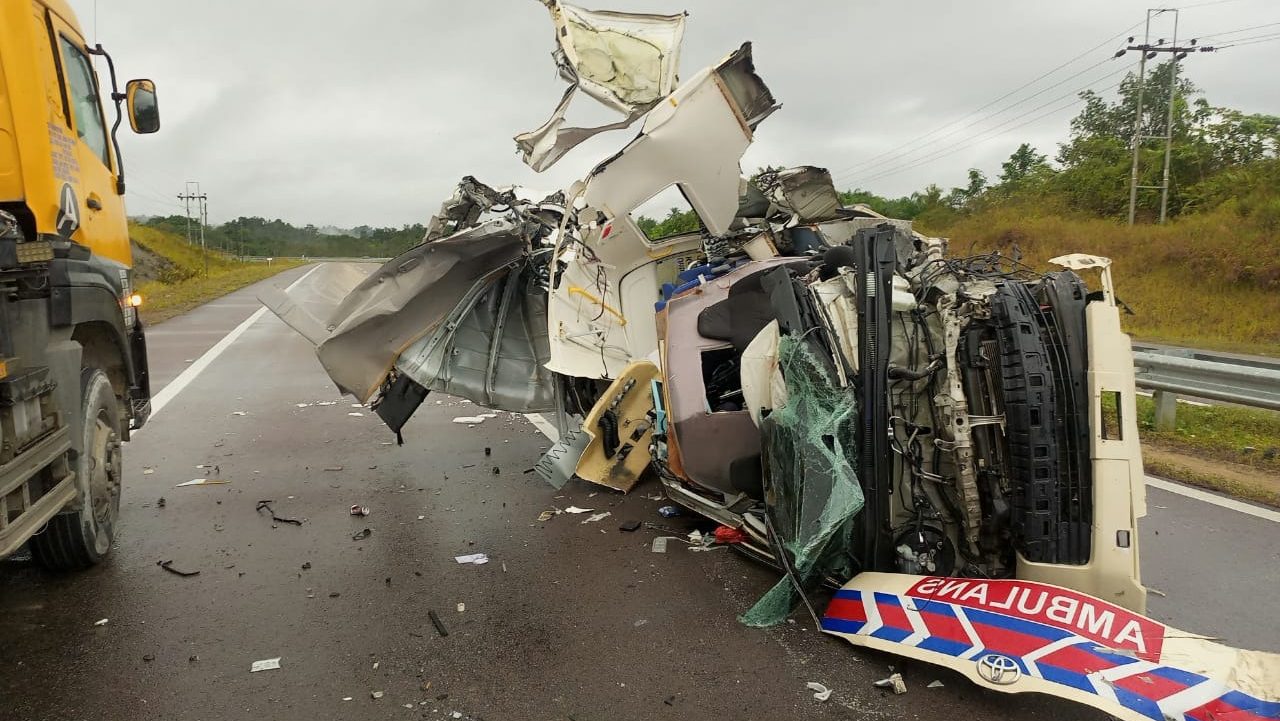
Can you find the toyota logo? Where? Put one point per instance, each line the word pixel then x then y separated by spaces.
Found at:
pixel 998 669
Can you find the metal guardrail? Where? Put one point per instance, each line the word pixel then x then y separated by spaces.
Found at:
pixel 1251 382
pixel 1229 382
pixel 309 259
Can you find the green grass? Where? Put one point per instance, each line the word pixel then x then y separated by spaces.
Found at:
pixel 1218 432
pixel 1210 280
pixel 182 285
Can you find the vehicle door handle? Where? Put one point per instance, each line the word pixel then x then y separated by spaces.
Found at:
pixel 93 202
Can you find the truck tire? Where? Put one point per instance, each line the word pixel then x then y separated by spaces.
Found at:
pixel 81 538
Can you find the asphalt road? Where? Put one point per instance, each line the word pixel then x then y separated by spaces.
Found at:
pixel 568 620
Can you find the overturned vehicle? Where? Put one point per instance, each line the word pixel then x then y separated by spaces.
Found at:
pixel 947 443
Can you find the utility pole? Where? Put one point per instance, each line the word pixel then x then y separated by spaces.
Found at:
pixel 202 216
pixel 1150 51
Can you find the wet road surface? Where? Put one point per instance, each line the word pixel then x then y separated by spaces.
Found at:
pixel 568 620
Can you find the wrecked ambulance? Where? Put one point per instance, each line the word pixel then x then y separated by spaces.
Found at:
pixel 947 442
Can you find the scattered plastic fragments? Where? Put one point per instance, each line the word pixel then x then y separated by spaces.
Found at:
pixel 265 664
pixel 359 510
pixel 376 694
pixel 660 544
pixel 326 403
pixel 820 692
pixel 462 607
pixel 934 684
pixel 547 515
pixel 101 622
pixel 669 512
pixel 356 414
pixel 168 566
pixel 239 413
pixel 476 559
pixel 435 621
pixel 596 517
pixel 202 482
pixel 277 519
pixel 361 535
pixel 725 534
pixel 148 471
pixel 575 509
pixel 475 420
pixel 894 682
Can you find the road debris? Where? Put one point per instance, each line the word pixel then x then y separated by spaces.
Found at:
pixel 202 482
pixel 462 607
pixel 356 414
pixel 935 684
pixel 148 471
pixel 820 692
pixel 630 526
pixel 101 622
pixel 727 535
pixel 334 468
pixel 474 420
pixel 266 505
pixel 894 682
pixel 168 566
pixel 362 534
pixel 660 544
pixel 547 515
pixel 306 565
pixel 475 559
pixel 266 664
pixel 596 517
pixel 575 509
pixel 377 694
pixel 239 413
pixel 359 510
pixel 160 502
pixel 435 621
pixel 669 512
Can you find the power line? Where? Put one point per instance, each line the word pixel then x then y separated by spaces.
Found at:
pixel 976 140
pixel 1233 32
pixel 990 132
pixel 1250 41
pixel 980 120
pixel 1033 81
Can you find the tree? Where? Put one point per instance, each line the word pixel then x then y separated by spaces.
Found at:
pixel 1024 164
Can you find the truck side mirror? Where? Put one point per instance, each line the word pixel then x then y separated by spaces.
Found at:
pixel 144 111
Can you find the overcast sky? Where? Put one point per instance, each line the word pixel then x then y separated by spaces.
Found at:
pixel 349 113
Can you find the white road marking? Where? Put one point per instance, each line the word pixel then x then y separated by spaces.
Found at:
pixel 184 379
pixel 542 424
pixel 1264 513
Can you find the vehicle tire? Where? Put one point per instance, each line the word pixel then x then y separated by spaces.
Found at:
pixel 81 538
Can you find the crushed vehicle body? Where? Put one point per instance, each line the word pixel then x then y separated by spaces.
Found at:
pixel 948 443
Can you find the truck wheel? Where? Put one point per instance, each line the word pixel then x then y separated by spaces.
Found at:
pixel 81 538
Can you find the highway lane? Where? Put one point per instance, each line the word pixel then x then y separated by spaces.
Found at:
pixel 567 620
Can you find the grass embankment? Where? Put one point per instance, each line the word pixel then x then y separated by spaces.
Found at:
pixel 170 273
pixel 1210 280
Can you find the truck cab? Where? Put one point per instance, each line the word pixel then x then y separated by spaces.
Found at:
pixel 73 365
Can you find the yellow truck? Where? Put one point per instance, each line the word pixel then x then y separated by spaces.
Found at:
pixel 73 361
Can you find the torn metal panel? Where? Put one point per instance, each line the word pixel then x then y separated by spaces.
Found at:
pixel 493 346
pixel 806 191
pixel 601 308
pixel 1017 636
pixel 405 300
pixel 627 61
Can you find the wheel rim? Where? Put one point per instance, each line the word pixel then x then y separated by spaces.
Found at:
pixel 104 480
